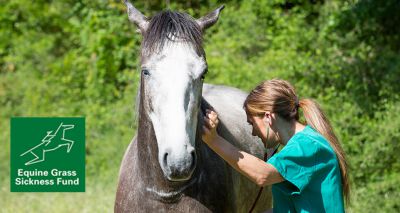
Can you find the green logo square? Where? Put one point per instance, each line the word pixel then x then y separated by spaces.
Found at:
pixel 47 154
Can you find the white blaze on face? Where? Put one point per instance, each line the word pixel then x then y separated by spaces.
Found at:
pixel 174 88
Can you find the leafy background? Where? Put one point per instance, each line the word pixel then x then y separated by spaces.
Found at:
pixel 80 58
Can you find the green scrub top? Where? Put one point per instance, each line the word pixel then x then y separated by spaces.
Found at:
pixel 312 175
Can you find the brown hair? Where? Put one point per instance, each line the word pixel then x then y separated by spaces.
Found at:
pixel 279 96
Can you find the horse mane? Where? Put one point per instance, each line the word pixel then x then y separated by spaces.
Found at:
pixel 172 26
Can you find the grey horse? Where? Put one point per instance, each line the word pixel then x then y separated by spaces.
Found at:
pixel 166 167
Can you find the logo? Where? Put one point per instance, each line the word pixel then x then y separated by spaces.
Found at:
pixel 47 154
pixel 52 141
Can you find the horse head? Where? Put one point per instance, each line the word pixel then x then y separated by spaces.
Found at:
pixel 173 66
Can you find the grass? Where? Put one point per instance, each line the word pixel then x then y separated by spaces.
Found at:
pixel 109 129
pixel 101 182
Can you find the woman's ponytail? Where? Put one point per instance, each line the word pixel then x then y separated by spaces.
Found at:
pixel 316 118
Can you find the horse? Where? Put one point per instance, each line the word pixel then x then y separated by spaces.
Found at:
pixel 166 167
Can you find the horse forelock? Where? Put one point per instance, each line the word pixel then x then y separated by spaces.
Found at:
pixel 171 26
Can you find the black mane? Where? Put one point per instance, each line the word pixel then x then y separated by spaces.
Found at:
pixel 167 24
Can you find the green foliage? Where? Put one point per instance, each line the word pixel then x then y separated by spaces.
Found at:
pixel 79 58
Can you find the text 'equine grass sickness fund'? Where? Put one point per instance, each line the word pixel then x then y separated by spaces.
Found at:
pixel 47 154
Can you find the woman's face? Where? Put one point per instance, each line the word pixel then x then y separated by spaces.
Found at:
pixel 260 125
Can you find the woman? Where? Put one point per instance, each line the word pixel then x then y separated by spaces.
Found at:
pixel 309 174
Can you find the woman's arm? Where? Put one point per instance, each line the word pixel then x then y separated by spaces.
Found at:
pixel 255 169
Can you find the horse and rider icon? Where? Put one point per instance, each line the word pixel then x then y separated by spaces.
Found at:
pixel 52 141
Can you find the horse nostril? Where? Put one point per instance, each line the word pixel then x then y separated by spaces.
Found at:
pixel 165 159
pixel 193 164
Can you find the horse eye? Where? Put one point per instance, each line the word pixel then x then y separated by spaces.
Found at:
pixel 145 72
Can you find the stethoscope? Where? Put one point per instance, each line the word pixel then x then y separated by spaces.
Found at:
pixel 266 154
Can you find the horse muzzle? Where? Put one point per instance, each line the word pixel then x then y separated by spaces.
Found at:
pixel 178 166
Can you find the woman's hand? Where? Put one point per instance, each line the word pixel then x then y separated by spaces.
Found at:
pixel 210 126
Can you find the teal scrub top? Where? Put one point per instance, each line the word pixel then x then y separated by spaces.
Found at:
pixel 312 175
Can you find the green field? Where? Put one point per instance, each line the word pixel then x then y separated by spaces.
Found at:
pixel 80 58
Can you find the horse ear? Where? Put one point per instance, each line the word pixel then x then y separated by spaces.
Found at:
pixel 136 17
pixel 209 19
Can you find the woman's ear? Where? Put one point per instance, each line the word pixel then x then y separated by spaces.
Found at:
pixel 267 117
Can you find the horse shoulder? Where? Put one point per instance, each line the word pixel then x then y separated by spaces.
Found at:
pixel 126 184
pixel 228 103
